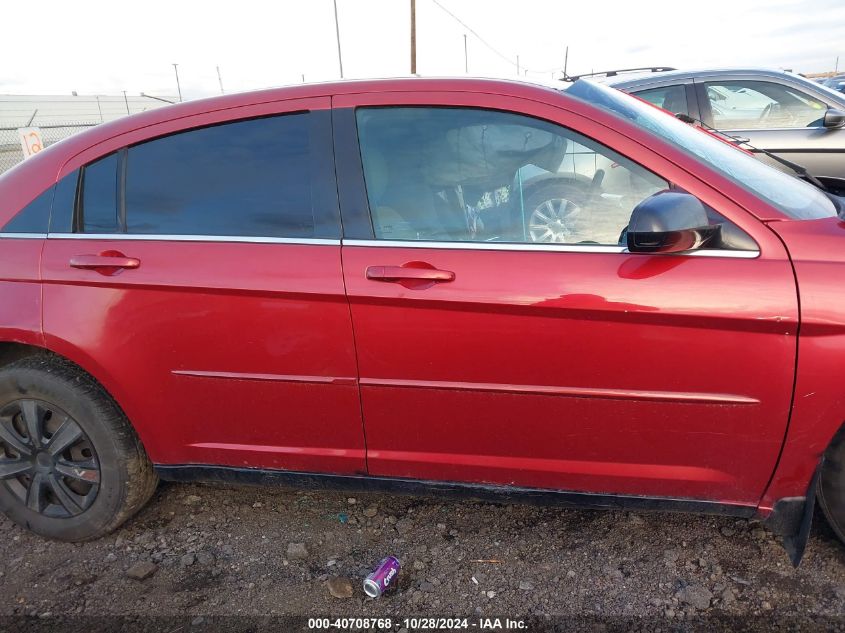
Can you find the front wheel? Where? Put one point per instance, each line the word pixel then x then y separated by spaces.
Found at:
pixel 554 213
pixel 71 466
pixel 831 492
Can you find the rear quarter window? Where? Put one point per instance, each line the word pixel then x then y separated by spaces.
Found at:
pixel 34 217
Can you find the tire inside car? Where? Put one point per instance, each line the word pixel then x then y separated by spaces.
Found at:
pixel 71 466
pixel 552 212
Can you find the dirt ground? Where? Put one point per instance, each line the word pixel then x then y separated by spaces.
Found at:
pixel 241 551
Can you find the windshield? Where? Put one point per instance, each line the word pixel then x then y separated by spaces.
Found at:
pixel 790 195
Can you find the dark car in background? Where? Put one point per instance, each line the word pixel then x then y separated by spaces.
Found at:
pixel 782 112
pixel 835 83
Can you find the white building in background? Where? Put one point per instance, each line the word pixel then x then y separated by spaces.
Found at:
pixel 58 116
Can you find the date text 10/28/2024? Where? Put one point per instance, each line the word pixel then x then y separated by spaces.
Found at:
pixel 418 624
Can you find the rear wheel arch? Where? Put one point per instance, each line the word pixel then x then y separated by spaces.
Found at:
pixel 78 468
pixel 12 351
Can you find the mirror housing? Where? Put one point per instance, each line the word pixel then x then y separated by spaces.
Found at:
pixel 670 222
pixel 834 118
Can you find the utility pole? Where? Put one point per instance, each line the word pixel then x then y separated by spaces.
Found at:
pixel 337 33
pixel 220 79
pixel 413 37
pixel 836 69
pixel 565 62
pixel 178 87
pixel 126 101
pixel 466 59
pixel 517 65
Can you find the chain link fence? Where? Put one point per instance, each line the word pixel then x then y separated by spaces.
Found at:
pixel 10 145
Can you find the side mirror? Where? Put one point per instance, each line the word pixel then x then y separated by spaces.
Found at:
pixel 670 222
pixel 834 118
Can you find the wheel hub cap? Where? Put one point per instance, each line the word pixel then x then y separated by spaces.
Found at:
pixel 553 221
pixel 43 461
pixel 47 462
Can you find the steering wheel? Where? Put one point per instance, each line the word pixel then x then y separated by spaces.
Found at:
pixel 766 112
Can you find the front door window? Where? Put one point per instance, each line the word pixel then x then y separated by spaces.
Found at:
pixel 760 105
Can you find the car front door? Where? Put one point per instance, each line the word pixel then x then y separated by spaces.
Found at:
pixel 199 274
pixel 779 117
pixel 504 335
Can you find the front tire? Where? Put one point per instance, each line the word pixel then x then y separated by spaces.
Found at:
pixel 552 213
pixel 71 466
pixel 831 492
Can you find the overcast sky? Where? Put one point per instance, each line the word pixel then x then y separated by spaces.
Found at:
pixel 104 47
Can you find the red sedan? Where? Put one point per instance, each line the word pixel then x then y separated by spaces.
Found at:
pixel 455 285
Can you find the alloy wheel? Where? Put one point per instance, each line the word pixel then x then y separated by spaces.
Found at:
pixel 553 221
pixel 46 460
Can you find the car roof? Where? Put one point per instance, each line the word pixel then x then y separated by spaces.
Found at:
pixel 637 79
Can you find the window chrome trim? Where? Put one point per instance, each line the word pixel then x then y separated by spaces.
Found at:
pixel 490 246
pixel 194 238
pixel 23 236
pixel 537 247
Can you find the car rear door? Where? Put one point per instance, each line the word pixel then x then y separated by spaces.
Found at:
pixel 675 97
pixel 775 115
pixel 505 337
pixel 198 276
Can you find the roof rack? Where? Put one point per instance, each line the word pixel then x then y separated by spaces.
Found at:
pixel 613 73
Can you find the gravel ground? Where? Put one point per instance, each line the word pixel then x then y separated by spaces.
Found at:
pixel 197 552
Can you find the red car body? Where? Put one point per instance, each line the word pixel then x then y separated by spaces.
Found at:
pixel 703 379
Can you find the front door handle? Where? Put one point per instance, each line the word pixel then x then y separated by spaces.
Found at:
pixel 107 261
pixel 409 273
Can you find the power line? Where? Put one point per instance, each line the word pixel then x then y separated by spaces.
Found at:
pixel 499 53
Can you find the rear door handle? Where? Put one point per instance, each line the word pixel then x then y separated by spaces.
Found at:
pixel 411 273
pixel 105 260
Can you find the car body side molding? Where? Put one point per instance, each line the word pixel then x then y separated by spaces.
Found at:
pixel 575 392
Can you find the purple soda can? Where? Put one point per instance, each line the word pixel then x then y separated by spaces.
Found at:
pixel 383 578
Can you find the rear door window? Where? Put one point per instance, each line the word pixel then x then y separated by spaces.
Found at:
pixel 671 98
pixel 98 201
pixel 270 177
pixel 247 178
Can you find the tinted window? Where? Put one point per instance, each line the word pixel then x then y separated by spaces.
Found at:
pixel 671 98
pixel 460 174
pixel 98 209
pixel 748 105
pixel 248 178
pixel 34 217
pixel 61 216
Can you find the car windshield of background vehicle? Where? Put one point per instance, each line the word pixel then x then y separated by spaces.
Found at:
pixel 790 195
pixel 760 105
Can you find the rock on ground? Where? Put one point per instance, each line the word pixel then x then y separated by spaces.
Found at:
pixel 696 596
pixel 142 570
pixel 340 587
pixel 262 551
